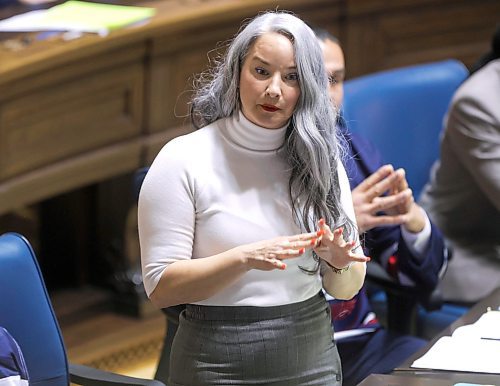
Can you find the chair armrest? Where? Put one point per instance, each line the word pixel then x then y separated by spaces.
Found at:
pixel 84 375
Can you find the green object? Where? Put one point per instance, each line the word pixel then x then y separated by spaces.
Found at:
pixel 96 16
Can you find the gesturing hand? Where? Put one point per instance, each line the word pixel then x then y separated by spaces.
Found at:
pixel 386 191
pixel 269 254
pixel 413 218
pixel 335 250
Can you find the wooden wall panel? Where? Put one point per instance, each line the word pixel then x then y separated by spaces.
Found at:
pixel 84 114
pixel 410 32
pixel 175 62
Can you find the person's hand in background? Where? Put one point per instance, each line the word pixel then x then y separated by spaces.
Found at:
pixel 384 198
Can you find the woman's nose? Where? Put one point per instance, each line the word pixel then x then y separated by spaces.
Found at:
pixel 274 88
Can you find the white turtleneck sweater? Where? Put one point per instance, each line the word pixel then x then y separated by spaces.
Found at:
pixel 217 188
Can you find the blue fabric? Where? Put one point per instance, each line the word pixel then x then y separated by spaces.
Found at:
pixel 26 312
pixel 429 324
pixel 11 358
pixel 401 111
pixel 376 353
pixel 352 314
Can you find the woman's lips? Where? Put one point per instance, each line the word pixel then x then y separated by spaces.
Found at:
pixel 270 108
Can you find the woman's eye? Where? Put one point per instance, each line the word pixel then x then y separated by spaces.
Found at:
pixel 260 71
pixel 335 79
pixel 292 77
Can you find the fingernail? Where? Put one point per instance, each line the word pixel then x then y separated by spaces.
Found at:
pixel 339 231
pixel 282 266
pixel 321 221
pixel 302 250
pixel 313 242
pixel 320 232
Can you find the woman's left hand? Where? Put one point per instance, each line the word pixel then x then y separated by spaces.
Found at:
pixel 335 250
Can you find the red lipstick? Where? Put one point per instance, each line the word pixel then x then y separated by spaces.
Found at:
pixel 270 108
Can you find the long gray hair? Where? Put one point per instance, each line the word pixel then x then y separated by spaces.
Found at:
pixel 313 145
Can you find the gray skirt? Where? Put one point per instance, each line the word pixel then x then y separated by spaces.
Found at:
pixel 283 345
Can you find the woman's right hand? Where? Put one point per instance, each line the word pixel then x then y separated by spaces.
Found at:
pixel 267 255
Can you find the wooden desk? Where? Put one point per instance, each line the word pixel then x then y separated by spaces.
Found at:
pixel 73 113
pixel 493 301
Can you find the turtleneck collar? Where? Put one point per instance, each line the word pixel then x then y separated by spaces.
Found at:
pixel 253 137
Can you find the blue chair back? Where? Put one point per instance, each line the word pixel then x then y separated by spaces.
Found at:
pixel 401 112
pixel 26 312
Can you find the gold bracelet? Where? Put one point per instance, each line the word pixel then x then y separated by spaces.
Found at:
pixel 338 271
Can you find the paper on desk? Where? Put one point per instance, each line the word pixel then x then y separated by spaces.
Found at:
pixel 77 16
pixel 486 327
pixel 472 348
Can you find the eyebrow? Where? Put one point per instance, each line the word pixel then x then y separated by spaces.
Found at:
pixel 257 57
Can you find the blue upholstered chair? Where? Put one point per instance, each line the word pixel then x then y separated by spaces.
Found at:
pixel 26 312
pixel 401 112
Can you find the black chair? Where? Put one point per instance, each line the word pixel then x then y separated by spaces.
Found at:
pixel 26 312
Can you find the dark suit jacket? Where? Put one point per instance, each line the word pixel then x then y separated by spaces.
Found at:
pixel 12 362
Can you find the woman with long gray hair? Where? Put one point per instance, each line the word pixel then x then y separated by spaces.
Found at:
pixel 247 218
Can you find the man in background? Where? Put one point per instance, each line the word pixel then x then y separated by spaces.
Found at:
pixel 463 195
pixel 398 234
